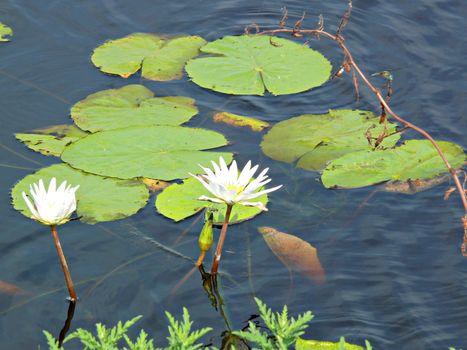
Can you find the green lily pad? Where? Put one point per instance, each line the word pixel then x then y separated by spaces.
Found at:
pixel 303 344
pixel 312 140
pixel 160 58
pixel 98 198
pixel 250 65
pixel 240 120
pixel 156 152
pixel 51 141
pixel 131 105
pixel 169 61
pixel 414 160
pixel 180 201
pixel 5 31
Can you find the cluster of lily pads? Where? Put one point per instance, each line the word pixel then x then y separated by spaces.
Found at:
pixel 125 138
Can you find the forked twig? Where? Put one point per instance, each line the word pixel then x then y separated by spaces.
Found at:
pixel 351 65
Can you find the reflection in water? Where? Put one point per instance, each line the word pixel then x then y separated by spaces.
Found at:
pixel 211 286
pixel 67 324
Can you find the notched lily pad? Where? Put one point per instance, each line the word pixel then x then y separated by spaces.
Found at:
pixel 51 141
pixel 5 32
pixel 180 201
pixel 98 198
pixel 413 160
pixel 131 105
pixel 156 152
pixel 160 58
pixel 251 65
pixel 303 344
pixel 312 140
pixel 240 120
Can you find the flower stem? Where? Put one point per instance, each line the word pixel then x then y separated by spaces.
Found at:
pixel 220 244
pixel 66 272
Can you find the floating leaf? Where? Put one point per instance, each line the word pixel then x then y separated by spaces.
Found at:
pixel 4 32
pixel 171 58
pixel 303 344
pixel 295 253
pixel 312 140
pixel 131 105
pixel 239 120
pixel 249 65
pixel 156 152
pixel 415 159
pixel 51 141
pixel 414 186
pixel 180 201
pixel 98 198
pixel 160 58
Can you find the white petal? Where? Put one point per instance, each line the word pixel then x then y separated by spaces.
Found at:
pixel 30 206
pixel 260 193
pixel 258 205
pixel 52 187
pixel 233 173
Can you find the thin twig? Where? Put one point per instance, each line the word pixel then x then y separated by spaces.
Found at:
pixel 349 59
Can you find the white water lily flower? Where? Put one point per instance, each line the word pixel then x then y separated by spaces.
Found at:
pixel 230 187
pixel 54 206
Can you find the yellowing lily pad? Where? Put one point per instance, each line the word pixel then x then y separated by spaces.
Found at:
pixel 51 141
pixel 312 140
pixel 415 159
pixel 160 58
pixel 5 32
pixel 251 65
pixel 180 201
pixel 303 344
pixel 156 152
pixel 240 120
pixel 131 105
pixel 98 198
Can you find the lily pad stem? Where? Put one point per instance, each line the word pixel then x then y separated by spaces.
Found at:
pixel 66 271
pixel 220 244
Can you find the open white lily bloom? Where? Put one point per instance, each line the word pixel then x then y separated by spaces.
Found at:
pixel 230 187
pixel 54 206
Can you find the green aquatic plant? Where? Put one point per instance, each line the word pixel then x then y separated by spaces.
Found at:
pixel 251 65
pixel 130 105
pixel 312 140
pixel 160 58
pixel 281 332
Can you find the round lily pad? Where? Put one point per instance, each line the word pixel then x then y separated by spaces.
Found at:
pixel 98 198
pixel 156 152
pixel 52 140
pixel 312 140
pixel 160 58
pixel 131 105
pixel 180 201
pixel 414 160
pixel 251 65
pixel 5 32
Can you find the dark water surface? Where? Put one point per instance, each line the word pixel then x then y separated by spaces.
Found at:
pixel 394 272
